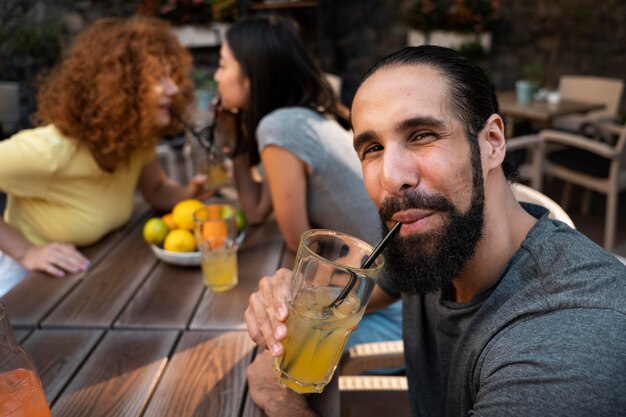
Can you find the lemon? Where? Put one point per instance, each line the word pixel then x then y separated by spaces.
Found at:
pixel 155 230
pixel 183 213
pixel 180 240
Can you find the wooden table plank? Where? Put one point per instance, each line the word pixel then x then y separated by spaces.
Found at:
pixel 58 354
pixel 225 310
pixel 119 376
pixel 166 301
pixel 33 298
pixel 21 334
pixel 104 293
pixel 205 377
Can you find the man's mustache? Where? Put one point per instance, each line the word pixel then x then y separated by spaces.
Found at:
pixel 414 200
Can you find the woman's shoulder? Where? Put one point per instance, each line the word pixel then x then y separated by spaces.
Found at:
pixel 290 114
pixel 41 139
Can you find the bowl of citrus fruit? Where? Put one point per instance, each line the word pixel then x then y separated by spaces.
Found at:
pixel 171 236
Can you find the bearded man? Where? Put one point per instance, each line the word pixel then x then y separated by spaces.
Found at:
pixel 505 311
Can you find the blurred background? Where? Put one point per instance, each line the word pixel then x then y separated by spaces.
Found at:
pixel 533 40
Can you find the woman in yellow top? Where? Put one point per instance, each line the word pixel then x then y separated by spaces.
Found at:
pixel 101 114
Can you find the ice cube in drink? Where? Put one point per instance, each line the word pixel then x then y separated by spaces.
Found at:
pixel 316 337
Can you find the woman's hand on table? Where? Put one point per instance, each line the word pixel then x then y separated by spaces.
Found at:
pixel 55 258
pixel 267 311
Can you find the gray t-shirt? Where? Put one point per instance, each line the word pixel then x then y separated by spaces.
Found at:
pixel 336 196
pixel 548 339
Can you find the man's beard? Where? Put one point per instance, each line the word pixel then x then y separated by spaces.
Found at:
pixel 425 263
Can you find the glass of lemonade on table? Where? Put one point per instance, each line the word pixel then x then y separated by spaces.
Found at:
pixel 215 228
pixel 21 393
pixel 320 320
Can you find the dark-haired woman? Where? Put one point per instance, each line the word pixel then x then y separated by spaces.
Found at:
pixel 288 115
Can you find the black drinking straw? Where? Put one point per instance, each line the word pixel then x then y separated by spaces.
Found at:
pixel 366 264
pixel 205 143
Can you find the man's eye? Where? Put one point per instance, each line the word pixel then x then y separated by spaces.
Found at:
pixel 371 149
pixel 423 137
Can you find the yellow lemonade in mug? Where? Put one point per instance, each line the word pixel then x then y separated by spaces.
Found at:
pixel 217 175
pixel 219 269
pixel 316 337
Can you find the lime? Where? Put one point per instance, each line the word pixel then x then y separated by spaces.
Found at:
pixel 155 230
pixel 227 211
pixel 180 240
pixel 240 219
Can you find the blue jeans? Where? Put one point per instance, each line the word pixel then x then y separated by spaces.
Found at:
pixel 380 326
pixel 11 273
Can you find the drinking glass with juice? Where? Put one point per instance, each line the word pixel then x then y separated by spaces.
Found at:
pixel 21 393
pixel 319 323
pixel 215 228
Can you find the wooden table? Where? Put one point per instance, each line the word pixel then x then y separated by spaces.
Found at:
pixel 134 336
pixel 536 111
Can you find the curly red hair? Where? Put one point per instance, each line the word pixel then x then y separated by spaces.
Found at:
pixel 102 93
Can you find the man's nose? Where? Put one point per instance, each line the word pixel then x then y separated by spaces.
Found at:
pixel 400 171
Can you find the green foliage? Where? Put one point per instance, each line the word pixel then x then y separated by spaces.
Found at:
pixel 43 41
pixel 456 15
pixel 200 12
pixel 534 72
pixel 203 79
pixel 473 50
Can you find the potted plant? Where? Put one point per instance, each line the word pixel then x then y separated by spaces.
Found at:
pixel 528 85
pixel 452 23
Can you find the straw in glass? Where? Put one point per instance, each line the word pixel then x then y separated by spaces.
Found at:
pixel 366 264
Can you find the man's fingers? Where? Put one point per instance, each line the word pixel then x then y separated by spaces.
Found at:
pixel 253 330
pixel 264 319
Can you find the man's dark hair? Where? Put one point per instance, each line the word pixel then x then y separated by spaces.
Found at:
pixel 472 96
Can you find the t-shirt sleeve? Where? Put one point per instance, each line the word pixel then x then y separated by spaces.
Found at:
pixel 26 164
pixel 568 363
pixel 294 130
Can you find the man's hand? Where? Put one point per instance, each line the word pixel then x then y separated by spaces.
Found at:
pixel 266 314
pixel 55 258
pixel 268 394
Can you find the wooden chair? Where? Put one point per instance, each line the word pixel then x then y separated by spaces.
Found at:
pixel 368 395
pixel 591 164
pixel 607 91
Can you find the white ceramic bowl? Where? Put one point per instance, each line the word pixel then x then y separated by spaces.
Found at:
pixel 177 258
pixel 185 258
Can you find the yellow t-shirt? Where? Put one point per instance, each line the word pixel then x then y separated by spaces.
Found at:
pixel 57 192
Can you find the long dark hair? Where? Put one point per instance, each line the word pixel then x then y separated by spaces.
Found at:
pixel 281 71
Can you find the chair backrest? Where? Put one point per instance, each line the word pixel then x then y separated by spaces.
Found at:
pixel 529 195
pixel 593 89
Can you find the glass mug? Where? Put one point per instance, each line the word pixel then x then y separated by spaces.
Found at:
pixel 21 393
pixel 215 229
pixel 319 323
pixel 205 153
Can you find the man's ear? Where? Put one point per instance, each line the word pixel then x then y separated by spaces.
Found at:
pixel 492 143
